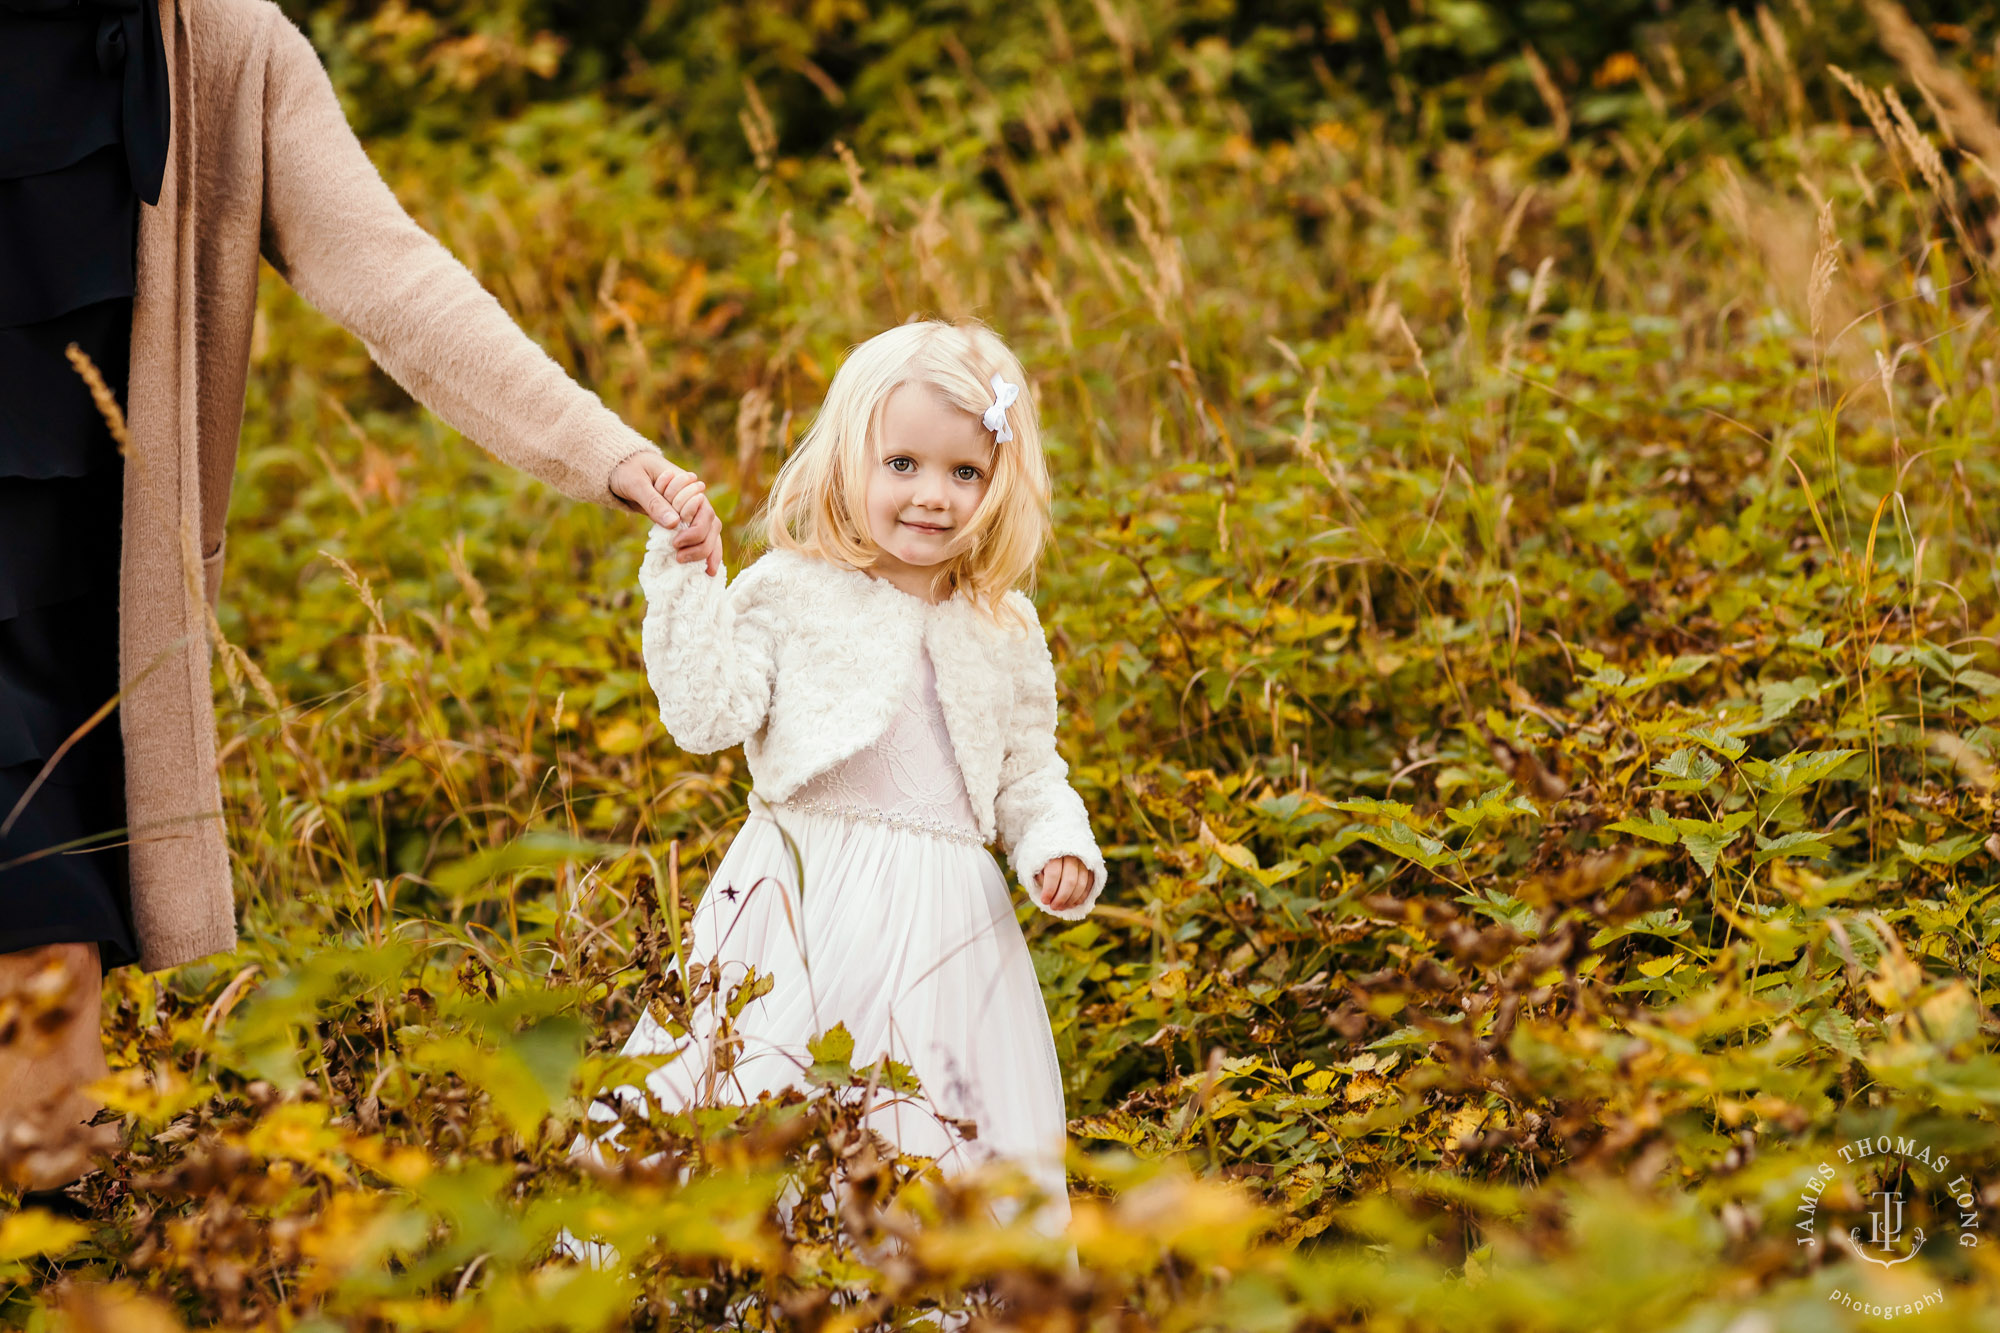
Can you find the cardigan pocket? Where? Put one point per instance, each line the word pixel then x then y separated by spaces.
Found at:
pixel 211 571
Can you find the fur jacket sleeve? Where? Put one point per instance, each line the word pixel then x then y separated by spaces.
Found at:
pixel 1037 814
pixel 804 663
pixel 710 648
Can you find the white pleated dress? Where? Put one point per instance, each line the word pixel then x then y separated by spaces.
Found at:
pixel 903 930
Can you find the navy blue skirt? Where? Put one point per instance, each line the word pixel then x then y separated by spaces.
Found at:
pixel 83 121
pixel 84 114
pixel 63 876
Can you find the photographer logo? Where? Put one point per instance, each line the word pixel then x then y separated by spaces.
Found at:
pixel 1903 1186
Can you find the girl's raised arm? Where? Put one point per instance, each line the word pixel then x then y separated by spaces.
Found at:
pixel 710 647
pixel 1040 816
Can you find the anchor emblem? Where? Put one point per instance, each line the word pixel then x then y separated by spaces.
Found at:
pixel 1885 1224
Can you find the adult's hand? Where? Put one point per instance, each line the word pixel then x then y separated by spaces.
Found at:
pixel 645 481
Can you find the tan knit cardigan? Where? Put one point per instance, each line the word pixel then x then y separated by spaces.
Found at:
pixel 262 162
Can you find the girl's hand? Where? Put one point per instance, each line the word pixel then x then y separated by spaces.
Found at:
pixel 700 535
pixel 1065 883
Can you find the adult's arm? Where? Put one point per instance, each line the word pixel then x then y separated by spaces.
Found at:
pixel 334 230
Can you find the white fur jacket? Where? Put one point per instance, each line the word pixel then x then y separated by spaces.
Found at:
pixel 804 663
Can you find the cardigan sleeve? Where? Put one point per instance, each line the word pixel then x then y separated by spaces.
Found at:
pixel 1038 815
pixel 336 233
pixel 710 648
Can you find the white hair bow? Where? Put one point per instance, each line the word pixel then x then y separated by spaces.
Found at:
pixel 1004 394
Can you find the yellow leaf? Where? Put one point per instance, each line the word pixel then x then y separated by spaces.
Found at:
pixel 620 736
pixel 1201 1219
pixel 1951 1016
pixel 31 1232
pixel 1894 981
pixel 1464 1121
pixel 297 1132
pixel 1240 856
pixel 1234 853
pixel 115 1308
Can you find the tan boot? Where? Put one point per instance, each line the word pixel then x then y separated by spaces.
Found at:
pixel 51 1048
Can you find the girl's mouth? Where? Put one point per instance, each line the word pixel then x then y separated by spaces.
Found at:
pixel 925 527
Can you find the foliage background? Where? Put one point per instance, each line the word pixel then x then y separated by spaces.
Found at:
pixel 1524 600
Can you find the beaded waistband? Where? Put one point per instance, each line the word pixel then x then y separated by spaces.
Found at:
pixel 937 828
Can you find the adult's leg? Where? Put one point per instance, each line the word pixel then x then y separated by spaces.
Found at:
pixel 51 1050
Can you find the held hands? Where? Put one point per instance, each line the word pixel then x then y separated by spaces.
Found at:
pixel 1065 883
pixel 673 498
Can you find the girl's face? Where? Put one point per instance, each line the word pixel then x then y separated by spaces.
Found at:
pixel 935 463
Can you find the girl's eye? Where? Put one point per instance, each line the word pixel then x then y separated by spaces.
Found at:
pixel 967 472
pixel 902 464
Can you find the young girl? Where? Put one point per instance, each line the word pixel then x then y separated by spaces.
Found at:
pixel 894 696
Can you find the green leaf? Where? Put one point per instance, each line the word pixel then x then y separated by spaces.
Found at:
pixel 1610 677
pixel 1793 844
pixel 1706 839
pixel 530 851
pixel 1799 769
pixel 1368 805
pixel 1407 843
pixel 832 1052
pixel 1985 682
pixel 1947 852
pixel 1278 873
pixel 1654 828
pixel 1625 686
pixel 1706 849
pixel 1941 661
pixel 1779 697
pixel 550 1051
pixel 1492 807
pixel 1888 655
pixel 1665 922
pixel 1194 594
pixel 1837 1030
pixel 389 779
pixel 1687 770
pixel 523 1079
pixel 1682 667
pixel 1719 737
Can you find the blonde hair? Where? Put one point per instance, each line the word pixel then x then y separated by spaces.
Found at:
pixel 818 504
